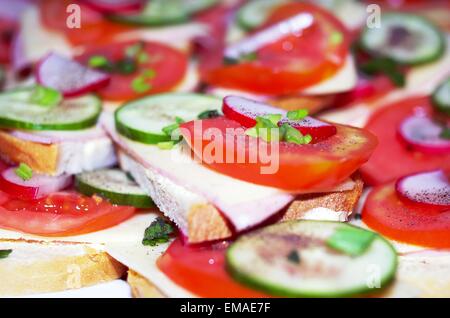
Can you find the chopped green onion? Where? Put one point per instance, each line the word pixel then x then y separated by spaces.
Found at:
pixel 5 253
pixel 385 66
pixel 24 172
pixel 252 132
pixel 139 84
pixel 45 96
pixel 249 57
pixel 98 61
pixel 142 58
pixel 297 114
pixel 350 240
pixel 208 114
pixel 158 232
pixel 165 145
pixel 125 66
pixel 179 120
pixel 274 118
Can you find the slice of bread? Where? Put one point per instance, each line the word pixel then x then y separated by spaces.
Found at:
pixel 42 267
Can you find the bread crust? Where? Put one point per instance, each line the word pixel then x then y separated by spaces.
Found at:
pixel 313 104
pixel 56 273
pixel 39 157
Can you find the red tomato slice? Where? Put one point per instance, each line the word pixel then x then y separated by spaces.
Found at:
pixel 61 214
pixel 312 167
pixel 169 66
pixel 394 159
pixel 95 29
pixel 294 62
pixel 406 222
pixel 201 270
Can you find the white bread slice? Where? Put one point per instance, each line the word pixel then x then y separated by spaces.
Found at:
pixel 41 267
pixel 68 157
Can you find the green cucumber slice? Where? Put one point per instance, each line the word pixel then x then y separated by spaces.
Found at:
pixel 255 12
pixel 164 12
pixel 16 111
pixel 405 38
pixel 143 119
pixel 294 259
pixel 441 97
pixel 114 185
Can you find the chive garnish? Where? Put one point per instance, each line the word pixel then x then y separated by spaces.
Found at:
pixel 24 172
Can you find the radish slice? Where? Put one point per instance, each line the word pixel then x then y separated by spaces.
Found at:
pixel 251 44
pixel 37 187
pixel 431 188
pixel 115 6
pixel 12 10
pixel 69 77
pixel 53 137
pixel 423 134
pixel 245 111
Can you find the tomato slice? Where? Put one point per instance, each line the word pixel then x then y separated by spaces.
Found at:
pixel 294 62
pixel 168 66
pixel 222 145
pixel 95 29
pixel 201 270
pixel 387 213
pixel 394 159
pixel 61 214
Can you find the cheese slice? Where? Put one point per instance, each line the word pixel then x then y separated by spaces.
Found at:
pixel 142 259
pixel 184 33
pixel 129 231
pixel 37 41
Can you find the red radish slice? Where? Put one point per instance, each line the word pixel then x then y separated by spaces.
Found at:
pixel 423 134
pixel 12 10
pixel 37 187
pixel 115 6
pixel 69 77
pixel 20 64
pixel 251 44
pixel 432 188
pixel 245 111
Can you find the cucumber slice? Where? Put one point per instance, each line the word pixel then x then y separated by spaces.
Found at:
pixel 16 111
pixel 114 185
pixel 164 12
pixel 143 119
pixel 441 97
pixel 254 13
pixel 294 259
pixel 405 38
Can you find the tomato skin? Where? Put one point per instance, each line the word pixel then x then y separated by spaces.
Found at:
pixel 281 71
pixel 201 270
pixel 394 159
pixel 169 65
pixel 312 167
pixel 7 30
pixel 408 222
pixel 61 214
